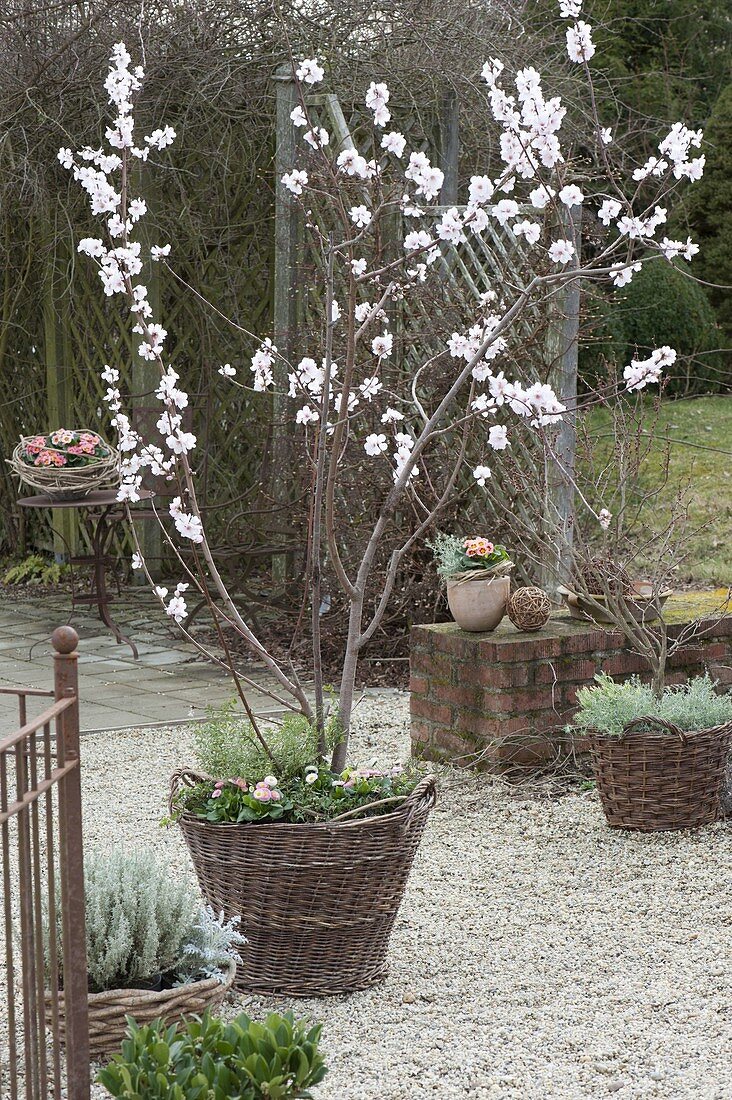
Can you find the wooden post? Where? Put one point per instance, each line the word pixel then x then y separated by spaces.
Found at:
pixel 449 153
pixel 560 351
pixel 61 411
pixel 285 297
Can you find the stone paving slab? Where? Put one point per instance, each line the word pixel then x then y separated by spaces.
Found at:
pixel 170 683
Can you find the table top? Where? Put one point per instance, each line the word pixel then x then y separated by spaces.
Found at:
pixel 100 498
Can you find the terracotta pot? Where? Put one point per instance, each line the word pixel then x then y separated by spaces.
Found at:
pixel 478 604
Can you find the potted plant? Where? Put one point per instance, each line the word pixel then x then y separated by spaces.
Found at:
pixel 408 411
pixel 66 463
pixel 153 952
pixel 316 864
pixel 659 762
pixel 476 571
pixel 202 1058
pixel 601 581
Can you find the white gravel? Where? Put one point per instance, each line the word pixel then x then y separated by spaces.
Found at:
pixel 538 954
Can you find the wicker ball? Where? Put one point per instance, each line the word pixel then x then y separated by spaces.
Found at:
pixel 528 608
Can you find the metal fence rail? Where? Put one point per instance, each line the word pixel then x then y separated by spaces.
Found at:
pixel 42 883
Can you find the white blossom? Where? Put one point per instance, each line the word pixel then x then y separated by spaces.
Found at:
pixel 360 216
pixel 295 181
pixel 394 142
pixel 498 438
pixel 309 71
pixel 571 195
pixel 561 252
pixel 375 444
pixel 604 517
pixel 481 474
pixel 382 346
pixel 579 42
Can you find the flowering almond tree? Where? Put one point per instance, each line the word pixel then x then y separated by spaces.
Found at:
pixel 347 392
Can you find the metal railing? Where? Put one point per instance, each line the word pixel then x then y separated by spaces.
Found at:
pixel 43 889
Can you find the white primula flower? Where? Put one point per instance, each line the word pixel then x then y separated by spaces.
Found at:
pixel 481 474
pixel 309 71
pixel 561 252
pixel 375 444
pixel 311 777
pixel 360 216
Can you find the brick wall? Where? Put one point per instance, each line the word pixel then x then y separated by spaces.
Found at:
pixel 506 696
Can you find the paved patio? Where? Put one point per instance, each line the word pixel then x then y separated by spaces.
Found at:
pixel 170 683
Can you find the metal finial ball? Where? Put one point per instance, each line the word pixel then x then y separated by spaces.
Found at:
pixel 529 608
pixel 64 639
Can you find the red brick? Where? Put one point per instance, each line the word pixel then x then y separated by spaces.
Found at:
pixel 519 702
pixel 418 685
pixel 463 696
pixel 623 664
pixel 421 730
pixel 434 666
pixel 433 712
pixel 723 673
pixel 687 655
pixel 590 640
pixel 530 649
pixel 503 676
pixel 715 650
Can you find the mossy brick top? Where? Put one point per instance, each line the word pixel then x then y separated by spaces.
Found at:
pixel 507 694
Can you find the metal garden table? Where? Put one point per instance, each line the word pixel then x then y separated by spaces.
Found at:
pixel 98 511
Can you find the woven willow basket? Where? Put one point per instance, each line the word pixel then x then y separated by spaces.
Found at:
pixel 67 483
pixel 665 780
pixel 108 1010
pixel 317 902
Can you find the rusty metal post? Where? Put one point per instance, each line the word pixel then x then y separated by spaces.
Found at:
pixel 66 684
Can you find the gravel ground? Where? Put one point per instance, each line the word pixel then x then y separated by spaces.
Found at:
pixel 537 955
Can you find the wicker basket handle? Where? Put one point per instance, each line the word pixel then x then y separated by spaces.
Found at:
pixel 651 720
pixel 424 794
pixel 184 777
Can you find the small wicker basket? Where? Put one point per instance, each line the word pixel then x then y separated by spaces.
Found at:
pixel 66 483
pixel 108 1010
pixel 317 901
pixel 668 779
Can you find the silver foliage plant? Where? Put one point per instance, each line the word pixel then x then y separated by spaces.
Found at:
pixel 210 943
pixel 142 922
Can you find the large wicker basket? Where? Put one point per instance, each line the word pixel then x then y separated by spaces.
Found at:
pixel 317 902
pixel 108 1010
pixel 64 483
pixel 668 779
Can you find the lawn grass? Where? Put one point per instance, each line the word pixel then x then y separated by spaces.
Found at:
pixel 699 431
